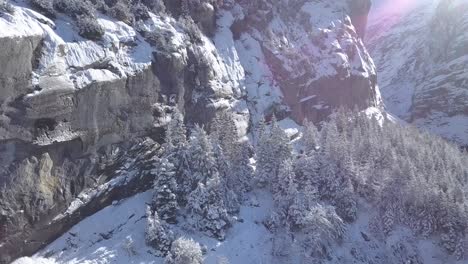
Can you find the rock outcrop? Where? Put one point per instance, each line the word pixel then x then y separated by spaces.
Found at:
pixel 318 62
pixel 71 108
pixel 420 51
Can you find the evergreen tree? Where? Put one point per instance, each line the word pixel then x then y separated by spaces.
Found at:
pixel 158 234
pixel 282 149
pixel 224 168
pixel 176 131
pixel 196 163
pixel 207 208
pixel 224 130
pixel 203 162
pixel 165 189
pixel 310 138
pixel 185 251
pixel 241 173
pixel 273 148
pixel 265 167
pixel 285 189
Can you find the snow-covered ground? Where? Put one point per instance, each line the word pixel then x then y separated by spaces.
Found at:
pixel 116 234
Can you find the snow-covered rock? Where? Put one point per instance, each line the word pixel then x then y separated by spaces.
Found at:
pixel 420 49
pixel 313 63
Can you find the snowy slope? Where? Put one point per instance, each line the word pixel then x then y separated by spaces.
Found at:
pixel 116 234
pixel 419 48
pixel 70 94
pixel 103 237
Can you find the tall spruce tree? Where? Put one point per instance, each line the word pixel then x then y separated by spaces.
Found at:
pixel 165 189
pixel 273 148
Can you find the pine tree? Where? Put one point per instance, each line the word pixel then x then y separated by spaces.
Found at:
pixel 185 251
pixel 241 173
pixel 165 189
pixel 307 168
pixel 184 173
pixel 310 138
pixel 201 155
pixel 196 163
pixel 260 130
pixel 265 167
pixel 176 152
pixel 281 144
pixel 284 187
pixel 224 168
pixel 273 148
pixel 207 208
pixel 158 235
pixel 176 131
pixel 224 130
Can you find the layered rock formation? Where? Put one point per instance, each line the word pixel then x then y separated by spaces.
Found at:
pixel 71 108
pixel 420 49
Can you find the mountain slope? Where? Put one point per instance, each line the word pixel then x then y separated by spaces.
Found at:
pixel 397 212
pixel 91 79
pixel 420 49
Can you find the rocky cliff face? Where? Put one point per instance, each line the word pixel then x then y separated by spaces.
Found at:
pixel 317 62
pixel 71 109
pixel 420 49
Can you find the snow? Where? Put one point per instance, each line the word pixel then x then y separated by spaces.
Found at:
pixel 85 78
pixel 116 31
pixel 86 196
pixel 103 237
pixel 290 127
pixel 38 260
pixel 66 53
pixel 23 23
pixel 377 113
pixel 262 91
pixel 305 99
pixel 451 127
pixel 326 16
pixel 163 24
pixel 418 84
pixel 116 234
pixel 230 67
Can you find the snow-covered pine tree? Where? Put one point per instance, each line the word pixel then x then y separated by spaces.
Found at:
pixel 185 251
pixel 273 148
pixel 285 188
pixel 322 227
pixel 306 168
pixel 281 143
pixel 241 174
pixel 176 151
pixel 207 208
pixel 158 235
pixel 224 167
pixel 176 131
pixel 165 189
pixel 260 129
pixel 224 130
pixel 265 166
pixel 202 160
pixel 310 137
pixel 195 163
